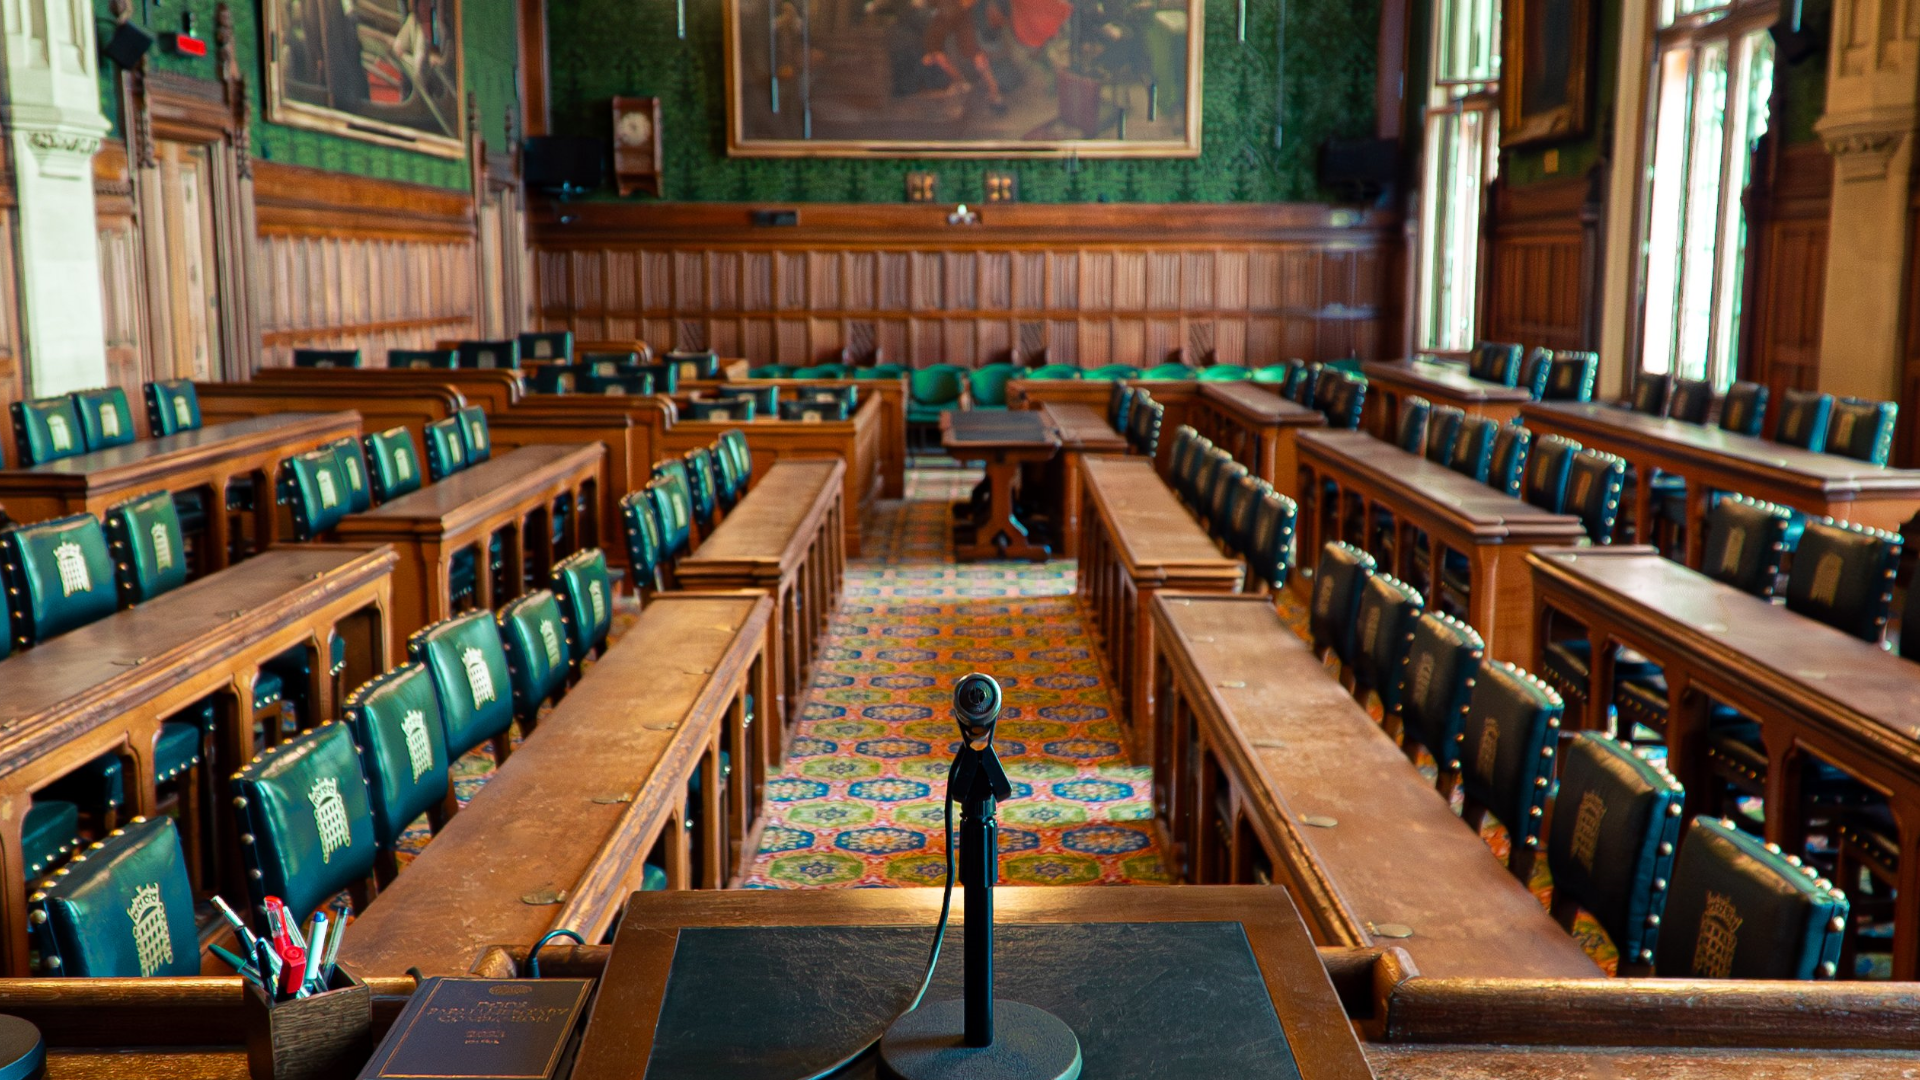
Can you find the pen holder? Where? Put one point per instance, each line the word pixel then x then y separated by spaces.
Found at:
pixel 327 1036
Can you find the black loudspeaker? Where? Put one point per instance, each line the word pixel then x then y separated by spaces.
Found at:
pixel 565 164
pixel 1362 169
pixel 127 44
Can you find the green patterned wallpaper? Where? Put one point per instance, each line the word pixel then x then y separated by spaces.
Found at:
pixel 490 45
pixel 1528 164
pixel 1331 59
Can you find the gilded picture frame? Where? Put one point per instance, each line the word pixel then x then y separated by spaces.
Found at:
pixel 381 71
pixel 963 78
pixel 1545 70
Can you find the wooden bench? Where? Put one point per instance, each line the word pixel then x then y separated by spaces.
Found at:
pixel 559 836
pixel 1389 381
pixel 1083 430
pixel 1135 540
pixel 210 457
pixel 1817 692
pixel 464 510
pixel 1455 513
pixel 1177 395
pixel 106 687
pixel 788 538
pixel 1711 460
pixel 1256 426
pixel 893 417
pixel 1268 771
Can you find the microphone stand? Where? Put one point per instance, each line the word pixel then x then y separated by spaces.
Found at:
pixel 978 783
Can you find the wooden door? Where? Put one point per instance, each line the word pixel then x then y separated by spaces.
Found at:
pixel 191 290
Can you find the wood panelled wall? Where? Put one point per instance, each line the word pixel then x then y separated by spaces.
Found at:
pixel 1787 252
pixel 1093 284
pixel 1541 253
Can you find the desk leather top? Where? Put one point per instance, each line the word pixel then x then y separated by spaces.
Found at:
pixel 768 526
pixel 1490 516
pixel 1083 427
pixel 1450 381
pixel 502 479
pixel 988 429
pixel 213 440
pixel 1153 532
pixel 1257 401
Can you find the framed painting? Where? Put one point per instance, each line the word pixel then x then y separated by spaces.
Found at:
pixel 963 78
pixel 386 71
pixel 1545 62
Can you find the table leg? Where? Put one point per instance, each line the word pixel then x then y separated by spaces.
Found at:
pixel 1643 503
pixel 1697 499
pixel 219 526
pixel 13 885
pixel 1906 902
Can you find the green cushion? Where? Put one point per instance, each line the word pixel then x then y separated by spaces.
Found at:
pixel 702 485
pixel 676 520
pixel 556 379
pixel 552 345
pixel 172 407
pixel 149 555
pixel 60 573
pixel 766 399
pixel 726 475
pixel 1843 576
pixel 353 469
pixel 680 486
pixel 446 448
pixel 724 410
pixel 122 909
pixel 881 371
pixel 1272 373
pixel 47 429
pixel 988 385
pixel 477 440
pixel 180 745
pixel 646 546
pixel 306 820
pixel 469 667
pixel 1506 753
pixel 393 463
pixel 1737 909
pixel 1224 373
pixel 734 441
pixel 935 387
pixel 490 354
pixel 396 722
pixel 638 383
pixel 771 371
pixel 328 358
pixel 693 365
pixel 1442 662
pixel 1616 820
pixel 652 878
pixel 422 358
pixel 534 635
pixel 585 594
pixel 317 492
pixel 1178 372
pixel 1114 372
pixel 50 830
pixel 105 418
pixel 1055 371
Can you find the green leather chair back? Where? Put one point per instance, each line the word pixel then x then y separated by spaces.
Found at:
pixel 1410 430
pixel 314 487
pixel 1692 400
pixel 1512 444
pixel 1506 757
pixel 306 820
pixel 1496 362
pixel 1442 661
pixel 328 358
pixel 1170 372
pixel 553 345
pixel 476 438
pixel 1179 462
pixel 1143 427
pixel 446 448
pixel 1345 401
pixel 1334 617
pixel 557 379
pixel 735 441
pixel 1843 576
pixel 674 472
pixel 1120 401
pixel 1746 542
pixel 6 609
pixel 60 575
pixel 785 371
pixel 724 410
pixel 666 377
pixel 1219 508
pixel 766 399
pixel 396 723
pixel 1533 372
pixel 698 365
pixel 393 463
pixel 814 410
pixel 353 469
pixel 1113 372
pixel 1246 495
pixel 676 517
pixel 1270 554
pixel 172 407
pixel 585 593
pixel 727 473
pixel 105 417
pixel 1055 371
pixel 423 358
pixel 1389 608
pixel 469 667
pixel 1272 374
pixel 489 354
pixel 534 634
pixel 47 429
pixel 1593 492
pixel 1650 393
pixel 1616 821
pixel 936 386
pixel 121 909
pixel 1744 408
pixel 1737 909
pixel 149 555
pixel 822 371
pixel 637 383
pixel 881 371
pixel 1571 375
pixel 988 385
pixel 1859 429
pixel 1225 373
pixel 1804 416
pixel 610 363
pixel 646 544
pixel 1443 429
pixel 702 485
pixel 1211 459
pixel 1549 464
pixel 1473 447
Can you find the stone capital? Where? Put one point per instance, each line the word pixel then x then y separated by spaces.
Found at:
pixel 1863 143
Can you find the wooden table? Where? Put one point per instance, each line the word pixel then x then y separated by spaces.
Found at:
pixel 210 457
pixel 1138 540
pixel 1005 441
pixel 892 393
pixel 106 687
pixel 1256 426
pixel 788 538
pixel 557 838
pixel 1388 381
pixel 1178 396
pixel 621 1028
pixel 1082 430
pixel 1714 460
pixel 1267 770
pixel 464 510
pixel 1817 692
pixel 1453 511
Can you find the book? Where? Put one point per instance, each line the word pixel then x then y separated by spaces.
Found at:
pixel 483 1029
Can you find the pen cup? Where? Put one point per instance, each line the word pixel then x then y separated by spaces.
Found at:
pixel 328 1036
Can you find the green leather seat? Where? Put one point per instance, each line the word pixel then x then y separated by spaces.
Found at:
pixel 392 463
pixel 1114 372
pixel 727 410
pixel 1225 373
pixel 1549 464
pixel 316 491
pixel 676 522
pixel 637 383
pixel 1186 442
pixel 328 358
pixel 1740 909
pixel 1055 371
pixel 423 358
pixel 766 399
pixel 446 448
pixel 726 474
pixel 1143 427
pixel 1495 362
pixel 144 539
pixel 1173 372
pixel 1443 660
pixel 694 364
pixel 306 822
pixel 674 472
pixel 932 391
pixel 47 429
pixel 1120 400
pixel 1506 754
pixel 823 371
pixel 1533 372
pixel 1272 374
pixel 550 345
pixel 1744 408
pixel 1217 514
pixel 1859 428
pixel 60 575
pixel 105 417
pixel 735 443
pixel 557 379
pixel 1388 610
pixel 1472 447
pixel 881 371
pixel 584 591
pixel 702 486
pixel 1345 401
pixel 771 371
pixel 1507 467
pixel 490 354
pixel 610 363
pixel 534 633
pixel 1593 492
pixel 1843 575
pixel 469 667
pixel 814 410
pixel 1615 823
pixel 172 407
pixel 1270 553
pixel 1334 615
pixel 1571 375
pixel 646 544
pixel 353 469
pixel 476 437
pixel 121 909
pixel 666 377
pixel 396 723
pixel 48 833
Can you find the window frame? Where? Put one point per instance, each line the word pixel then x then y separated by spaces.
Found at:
pixel 1449 93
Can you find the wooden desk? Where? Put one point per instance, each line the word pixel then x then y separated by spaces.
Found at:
pixel 1455 512
pixel 464 510
pixel 106 687
pixel 1256 426
pixel 1082 430
pixel 620 1030
pixel 210 457
pixel 893 416
pixel 786 537
pixel 1137 540
pixel 1817 692
pixel 558 836
pixel 1005 441
pixel 1267 770
pixel 1388 381
pixel 1714 460
pixel 1177 395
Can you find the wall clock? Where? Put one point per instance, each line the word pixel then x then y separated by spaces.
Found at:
pixel 636 145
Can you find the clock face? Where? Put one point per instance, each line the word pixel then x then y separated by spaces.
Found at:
pixel 636 129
